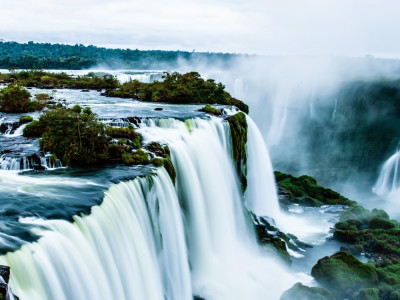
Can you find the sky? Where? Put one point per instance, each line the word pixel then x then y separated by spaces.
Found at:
pixel 280 27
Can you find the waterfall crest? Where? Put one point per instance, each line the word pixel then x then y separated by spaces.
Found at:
pixel 140 242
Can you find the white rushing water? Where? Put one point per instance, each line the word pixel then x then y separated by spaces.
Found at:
pixel 25 163
pixel 262 199
pixel 388 182
pixel 152 240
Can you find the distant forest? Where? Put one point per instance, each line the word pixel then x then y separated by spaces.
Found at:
pixel 75 57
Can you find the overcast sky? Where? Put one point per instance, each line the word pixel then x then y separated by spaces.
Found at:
pixel 315 27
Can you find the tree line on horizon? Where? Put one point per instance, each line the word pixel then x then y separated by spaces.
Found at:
pixel 31 55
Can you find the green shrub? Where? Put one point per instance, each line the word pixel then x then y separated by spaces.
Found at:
pixel 75 137
pixel 14 99
pixel 25 119
pixel 42 97
pixel 34 129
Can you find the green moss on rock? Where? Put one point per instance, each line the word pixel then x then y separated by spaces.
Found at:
pixel 304 190
pixel 344 273
pixel 367 294
pixel 302 292
pixel 25 119
pixel 169 166
pixel 238 126
pixel 211 110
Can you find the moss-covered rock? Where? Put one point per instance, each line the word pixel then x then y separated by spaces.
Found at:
pixel 367 294
pixel 344 273
pixel 25 119
pixel 269 235
pixel 158 149
pixel 169 166
pixel 211 110
pixel 305 191
pixel 302 292
pixel 125 132
pixel 238 126
pixel 138 158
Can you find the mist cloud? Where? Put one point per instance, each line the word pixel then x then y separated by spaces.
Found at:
pixel 327 27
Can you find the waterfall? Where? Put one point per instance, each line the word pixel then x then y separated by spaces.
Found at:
pixel 388 181
pixel 261 196
pixel 114 253
pixel 18 132
pixel 152 240
pixel 27 163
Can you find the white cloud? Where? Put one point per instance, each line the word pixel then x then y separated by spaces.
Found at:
pixel 349 27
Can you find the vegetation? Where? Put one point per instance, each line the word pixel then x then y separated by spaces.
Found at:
pixel 42 97
pixel 304 190
pixel 180 89
pixel 175 88
pixel 238 125
pixel 369 232
pixel 58 56
pixel 76 137
pixel 365 232
pixel 41 79
pixel 211 110
pixel 302 292
pixel 25 119
pixel 15 99
pixel 344 273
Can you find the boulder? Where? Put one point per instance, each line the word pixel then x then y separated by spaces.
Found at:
pixel 343 273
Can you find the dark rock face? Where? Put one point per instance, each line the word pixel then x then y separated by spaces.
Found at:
pixel 135 120
pixel 5 274
pixel 4 127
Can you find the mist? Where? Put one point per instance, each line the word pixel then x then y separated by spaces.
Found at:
pixel 305 106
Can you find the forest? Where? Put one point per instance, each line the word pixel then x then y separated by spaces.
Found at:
pixel 76 57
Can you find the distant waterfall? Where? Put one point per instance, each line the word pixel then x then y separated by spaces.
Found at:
pixel 389 178
pixel 151 240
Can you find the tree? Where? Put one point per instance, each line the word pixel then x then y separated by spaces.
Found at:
pixel 15 99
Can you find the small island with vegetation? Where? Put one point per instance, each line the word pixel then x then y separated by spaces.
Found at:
pixel 77 137
pixel 175 88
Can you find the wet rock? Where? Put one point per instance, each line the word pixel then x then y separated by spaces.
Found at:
pixel 344 273
pixel 5 273
pixel 158 108
pixel 135 120
pixel 39 168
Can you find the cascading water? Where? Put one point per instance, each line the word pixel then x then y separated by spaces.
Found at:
pixel 388 182
pixel 140 242
pixel 114 253
pixel 26 163
pixel 261 196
